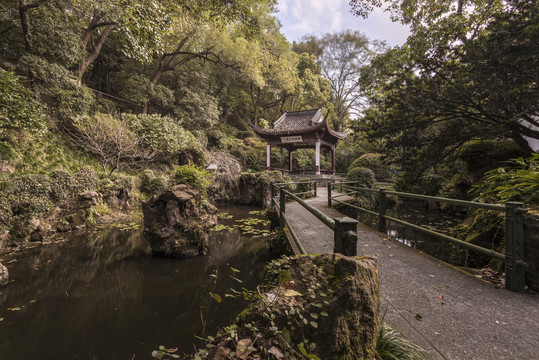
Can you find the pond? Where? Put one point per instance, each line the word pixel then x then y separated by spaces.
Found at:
pixel 100 295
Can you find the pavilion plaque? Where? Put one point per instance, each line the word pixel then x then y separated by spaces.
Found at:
pixel 291 139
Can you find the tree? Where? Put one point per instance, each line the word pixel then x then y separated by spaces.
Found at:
pixel 143 24
pixel 112 141
pixel 468 71
pixel 341 56
pixel 210 31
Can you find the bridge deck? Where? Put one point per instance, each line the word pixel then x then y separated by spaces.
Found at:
pixel 452 315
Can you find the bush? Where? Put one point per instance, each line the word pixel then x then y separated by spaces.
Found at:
pixel 110 140
pixel 194 176
pixel 375 162
pixel 518 181
pixel 163 134
pixel 364 176
pixel 429 183
pixel 152 184
pixel 69 102
pixel 44 73
pixel 18 110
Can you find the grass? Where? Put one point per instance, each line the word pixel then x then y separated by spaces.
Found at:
pixel 392 345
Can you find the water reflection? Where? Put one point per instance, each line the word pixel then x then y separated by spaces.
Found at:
pixel 102 296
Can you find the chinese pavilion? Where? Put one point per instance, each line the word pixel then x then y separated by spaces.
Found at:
pixel 301 129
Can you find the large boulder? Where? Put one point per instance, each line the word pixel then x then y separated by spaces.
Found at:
pixel 176 222
pixel 325 305
pixel 4 275
pixel 255 188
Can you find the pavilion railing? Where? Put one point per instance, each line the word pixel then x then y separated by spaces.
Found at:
pixel 513 257
pixel 344 228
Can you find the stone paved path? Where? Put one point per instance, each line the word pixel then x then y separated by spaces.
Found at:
pixel 451 314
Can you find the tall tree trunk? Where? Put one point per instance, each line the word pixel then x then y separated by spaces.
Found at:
pixel 23 14
pixel 166 64
pixel 95 52
pixel 255 100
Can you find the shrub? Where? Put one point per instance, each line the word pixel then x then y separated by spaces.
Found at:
pixel 67 103
pixel 518 181
pixel 18 109
pixel 163 135
pixel 375 162
pixel 45 73
pixel 194 176
pixel 152 184
pixel 110 140
pixel 364 176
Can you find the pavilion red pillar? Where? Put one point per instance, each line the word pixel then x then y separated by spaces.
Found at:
pixel 289 160
pixel 268 157
pixel 317 148
pixel 333 159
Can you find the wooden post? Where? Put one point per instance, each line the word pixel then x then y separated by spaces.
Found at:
pixel 514 246
pixel 333 159
pixel 345 238
pixel 282 205
pixel 382 223
pixel 317 160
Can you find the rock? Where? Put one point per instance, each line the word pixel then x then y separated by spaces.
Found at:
pixel 6 167
pixel 88 195
pixel 334 304
pixel 255 188
pixel 176 222
pixel 4 275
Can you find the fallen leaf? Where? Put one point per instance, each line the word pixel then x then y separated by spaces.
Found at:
pixel 291 293
pixel 441 297
pixel 242 349
pixel 418 317
pixel 271 297
pixel 276 352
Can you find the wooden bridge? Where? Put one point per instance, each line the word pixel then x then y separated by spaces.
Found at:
pixel 449 313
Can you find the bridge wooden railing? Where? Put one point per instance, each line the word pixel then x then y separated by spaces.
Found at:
pixel 344 228
pixel 514 232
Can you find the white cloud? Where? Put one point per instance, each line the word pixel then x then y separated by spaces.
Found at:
pixel 337 21
pixel 301 17
pixel 283 6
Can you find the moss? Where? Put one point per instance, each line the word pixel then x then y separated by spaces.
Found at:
pixel 95 212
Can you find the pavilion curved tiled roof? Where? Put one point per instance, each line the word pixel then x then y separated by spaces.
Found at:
pixel 300 122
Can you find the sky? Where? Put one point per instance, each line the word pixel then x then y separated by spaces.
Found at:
pixel 301 17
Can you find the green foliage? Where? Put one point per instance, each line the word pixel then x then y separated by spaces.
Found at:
pixel 363 176
pixel 194 176
pixel 95 212
pixel 19 112
pixel 163 135
pixel 45 73
pixel 375 162
pixel 68 102
pixel 250 151
pixel 518 181
pixel 463 75
pixel 30 196
pixel 151 184
pixel 429 182
pixel 392 345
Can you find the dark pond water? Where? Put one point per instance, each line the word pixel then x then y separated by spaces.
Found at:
pixel 101 295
